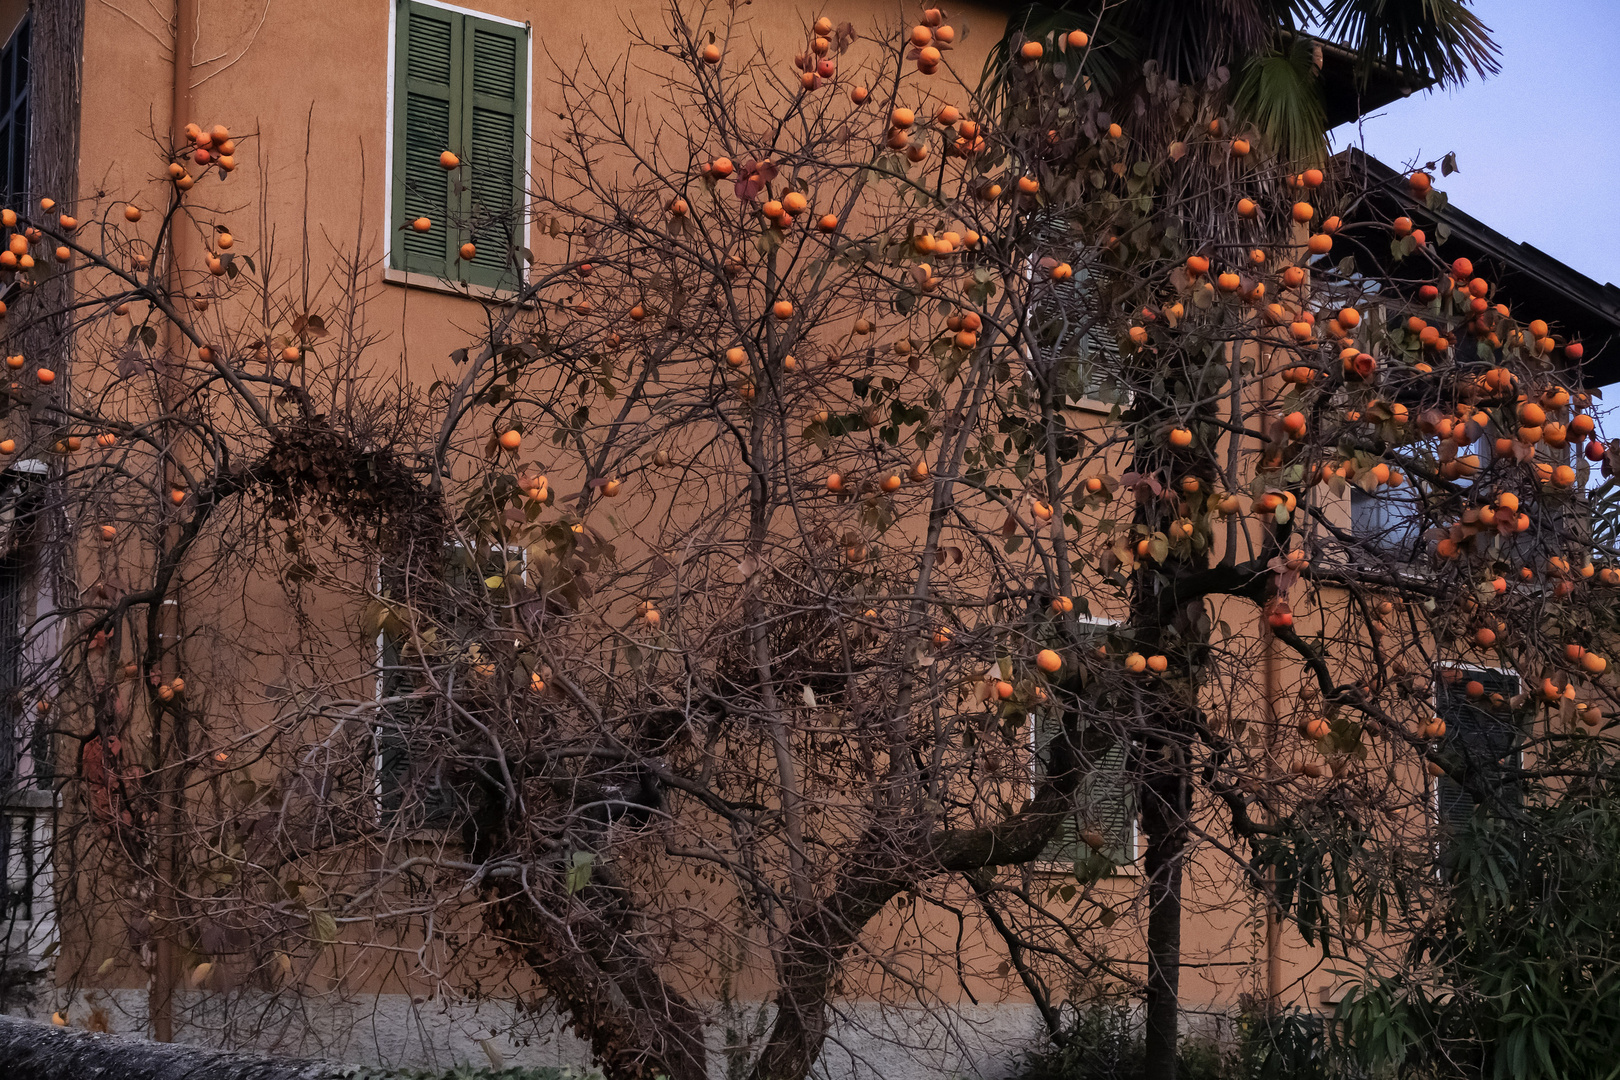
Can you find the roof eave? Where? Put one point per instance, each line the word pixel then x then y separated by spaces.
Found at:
pixel 1527 277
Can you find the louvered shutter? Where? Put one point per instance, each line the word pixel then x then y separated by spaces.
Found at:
pixel 495 90
pixel 1103 802
pixel 1487 741
pixel 396 722
pixel 1064 847
pixel 461 84
pixel 428 71
pixel 13 574
pixel 410 770
pixel 1108 807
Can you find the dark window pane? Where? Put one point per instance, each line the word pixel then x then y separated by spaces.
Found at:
pixel 14 116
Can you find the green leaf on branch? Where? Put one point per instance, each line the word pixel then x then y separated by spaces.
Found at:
pixel 579 871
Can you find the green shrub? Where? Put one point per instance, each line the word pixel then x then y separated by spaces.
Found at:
pixel 1104 1042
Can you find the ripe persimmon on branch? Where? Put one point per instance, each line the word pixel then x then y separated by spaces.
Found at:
pixel 868 486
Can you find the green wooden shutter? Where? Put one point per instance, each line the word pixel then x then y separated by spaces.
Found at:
pixel 495 89
pixel 1065 845
pixel 1107 806
pixel 427 121
pixel 1103 802
pixel 461 84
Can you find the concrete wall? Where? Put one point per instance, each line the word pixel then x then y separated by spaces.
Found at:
pixel 304 86
pixel 909 1043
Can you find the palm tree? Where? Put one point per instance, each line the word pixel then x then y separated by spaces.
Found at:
pixel 1269 67
pixel 1271 48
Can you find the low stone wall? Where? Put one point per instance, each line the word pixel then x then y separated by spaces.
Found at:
pixel 869 1042
pixel 42 1051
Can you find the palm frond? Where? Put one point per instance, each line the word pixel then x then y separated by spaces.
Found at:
pixel 1112 57
pixel 1442 40
pixel 1280 95
pixel 1188 39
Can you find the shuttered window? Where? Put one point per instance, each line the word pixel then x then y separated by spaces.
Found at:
pixel 1103 805
pixel 417 782
pixel 14 116
pixel 1480 731
pixel 25 740
pixel 411 785
pixel 460 84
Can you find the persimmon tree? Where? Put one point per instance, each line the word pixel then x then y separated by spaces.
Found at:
pixel 682 640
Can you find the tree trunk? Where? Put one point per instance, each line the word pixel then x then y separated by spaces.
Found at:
pixel 1165 819
pixel 1171 620
pixel 587 954
pixel 41 1051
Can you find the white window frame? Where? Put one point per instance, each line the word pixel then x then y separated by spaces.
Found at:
pixel 415 279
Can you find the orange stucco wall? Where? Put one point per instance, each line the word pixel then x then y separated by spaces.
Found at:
pixel 304 86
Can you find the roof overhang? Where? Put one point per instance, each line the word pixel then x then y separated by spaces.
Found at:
pixel 1353 88
pixel 1534 284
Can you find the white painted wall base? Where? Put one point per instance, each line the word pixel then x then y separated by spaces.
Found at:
pixel 870 1042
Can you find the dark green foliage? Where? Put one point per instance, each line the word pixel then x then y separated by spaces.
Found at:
pixel 1438 40
pixel 1277 92
pixel 1287 1045
pixel 1517 971
pixel 1258 42
pixel 1332 879
pixel 1104 1042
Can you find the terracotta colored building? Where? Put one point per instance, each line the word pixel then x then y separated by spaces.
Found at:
pixel 349 104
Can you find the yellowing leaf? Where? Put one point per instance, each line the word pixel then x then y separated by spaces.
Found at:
pixel 323 926
pixel 579 871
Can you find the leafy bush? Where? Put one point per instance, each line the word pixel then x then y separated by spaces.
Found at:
pixel 1516 971
pixel 1104 1042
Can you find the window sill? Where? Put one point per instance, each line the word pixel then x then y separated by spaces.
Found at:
pixel 1120 870
pixel 29 799
pixel 410 279
pixel 1090 405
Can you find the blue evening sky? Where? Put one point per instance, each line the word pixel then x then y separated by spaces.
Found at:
pixel 1539 143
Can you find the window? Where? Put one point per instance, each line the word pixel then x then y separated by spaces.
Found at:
pixel 1386 519
pixel 1066 320
pixel 460 84
pixel 410 774
pixel 1105 807
pixel 411 750
pixel 26 802
pixel 1480 730
pixel 25 844
pixel 1105 804
pixel 14 117
pixel 22 760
